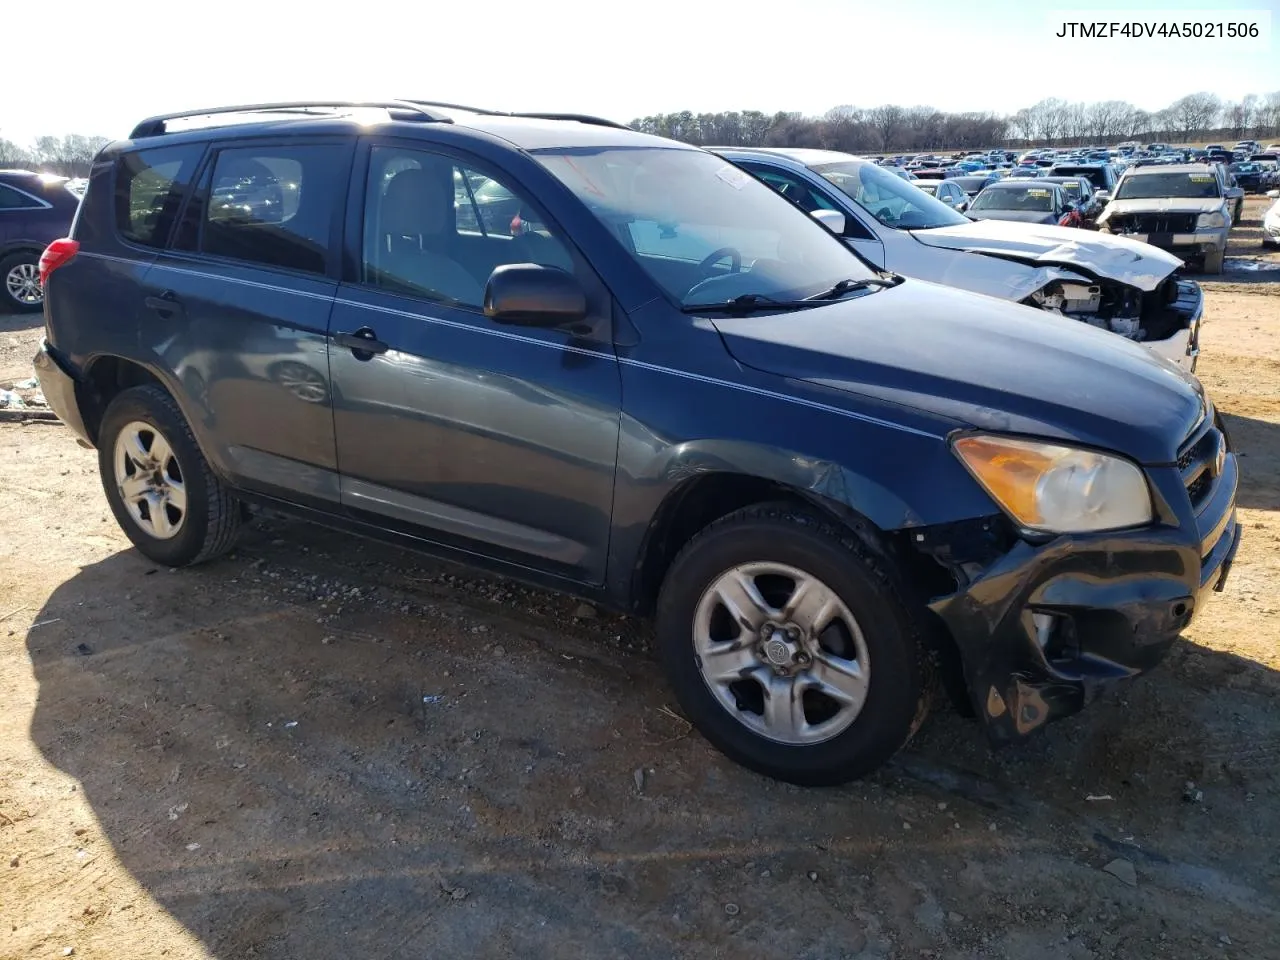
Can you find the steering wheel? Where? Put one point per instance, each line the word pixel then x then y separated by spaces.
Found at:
pixel 883 214
pixel 715 256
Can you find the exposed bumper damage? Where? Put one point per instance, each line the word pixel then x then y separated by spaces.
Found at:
pixel 1042 627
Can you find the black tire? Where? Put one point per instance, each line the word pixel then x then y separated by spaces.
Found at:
pixel 213 516
pixel 10 302
pixel 900 687
pixel 1213 262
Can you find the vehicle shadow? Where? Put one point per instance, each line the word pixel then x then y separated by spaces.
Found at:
pixel 1258 444
pixel 294 759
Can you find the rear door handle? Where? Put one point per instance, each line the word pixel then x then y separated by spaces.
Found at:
pixel 364 343
pixel 167 304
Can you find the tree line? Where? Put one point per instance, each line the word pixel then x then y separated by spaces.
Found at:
pixel 883 129
pixel 1051 122
pixel 70 156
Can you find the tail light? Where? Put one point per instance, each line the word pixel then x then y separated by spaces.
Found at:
pixel 55 255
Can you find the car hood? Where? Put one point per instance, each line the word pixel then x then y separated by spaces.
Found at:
pixel 1113 258
pixel 1165 205
pixel 1017 216
pixel 980 362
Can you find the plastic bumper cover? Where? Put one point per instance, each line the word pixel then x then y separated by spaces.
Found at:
pixel 1043 629
pixel 58 379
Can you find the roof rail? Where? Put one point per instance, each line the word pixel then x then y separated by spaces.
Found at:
pixel 576 117
pixel 154 126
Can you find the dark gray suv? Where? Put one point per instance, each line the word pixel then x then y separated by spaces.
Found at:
pixel 622 367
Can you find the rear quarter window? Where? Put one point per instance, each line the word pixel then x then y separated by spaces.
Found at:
pixel 149 188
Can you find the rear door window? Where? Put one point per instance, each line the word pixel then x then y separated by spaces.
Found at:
pixel 275 205
pixel 149 190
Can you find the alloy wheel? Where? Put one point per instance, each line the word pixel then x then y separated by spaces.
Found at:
pixel 150 480
pixel 782 653
pixel 22 283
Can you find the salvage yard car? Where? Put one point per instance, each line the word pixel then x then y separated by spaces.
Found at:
pixel 676 395
pixel 1271 222
pixel 1023 201
pixel 1182 209
pixel 1126 287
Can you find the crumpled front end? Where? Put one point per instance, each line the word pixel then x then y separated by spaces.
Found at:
pixel 1128 288
pixel 1043 626
pixel 1166 319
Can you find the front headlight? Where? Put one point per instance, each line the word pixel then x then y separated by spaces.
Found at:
pixel 1057 489
pixel 1211 221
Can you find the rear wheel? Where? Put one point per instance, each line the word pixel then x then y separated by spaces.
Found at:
pixel 790 648
pixel 160 487
pixel 20 288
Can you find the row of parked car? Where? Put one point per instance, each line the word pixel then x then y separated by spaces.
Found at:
pixel 640 372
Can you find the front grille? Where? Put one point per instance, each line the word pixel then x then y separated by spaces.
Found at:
pixel 1154 223
pixel 1198 461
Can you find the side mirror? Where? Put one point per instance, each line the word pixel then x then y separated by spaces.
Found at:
pixel 833 220
pixel 534 296
pixel 1102 196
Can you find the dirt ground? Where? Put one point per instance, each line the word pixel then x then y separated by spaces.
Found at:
pixel 324 747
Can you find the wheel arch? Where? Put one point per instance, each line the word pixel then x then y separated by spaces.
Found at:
pixel 709 481
pixel 107 375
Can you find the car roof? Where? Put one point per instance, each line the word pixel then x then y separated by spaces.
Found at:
pixel 1022 183
pixel 529 132
pixel 803 155
pixel 1170 168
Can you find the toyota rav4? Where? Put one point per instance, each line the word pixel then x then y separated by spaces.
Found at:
pixel 645 378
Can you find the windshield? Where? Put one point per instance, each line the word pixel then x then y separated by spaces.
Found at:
pixel 1152 185
pixel 703 229
pixel 1094 175
pixel 891 200
pixel 1071 187
pixel 1039 199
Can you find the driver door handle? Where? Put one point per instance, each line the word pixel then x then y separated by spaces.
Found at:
pixel 363 341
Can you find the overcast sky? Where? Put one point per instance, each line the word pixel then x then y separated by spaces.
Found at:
pixel 100 68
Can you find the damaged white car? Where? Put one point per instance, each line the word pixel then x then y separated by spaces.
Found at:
pixel 1121 285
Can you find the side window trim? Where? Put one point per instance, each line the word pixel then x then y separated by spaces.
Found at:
pixel 192 192
pixel 39 204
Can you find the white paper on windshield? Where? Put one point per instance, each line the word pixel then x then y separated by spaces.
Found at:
pixel 733 176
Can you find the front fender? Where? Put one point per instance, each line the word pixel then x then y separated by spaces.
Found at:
pixel 893 479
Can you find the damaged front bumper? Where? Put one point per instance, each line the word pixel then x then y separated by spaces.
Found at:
pixel 1043 628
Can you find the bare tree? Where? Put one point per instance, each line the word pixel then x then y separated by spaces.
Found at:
pixel 12 155
pixel 887 121
pixel 922 128
pixel 1195 112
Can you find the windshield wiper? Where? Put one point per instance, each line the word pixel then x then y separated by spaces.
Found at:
pixel 750 303
pixel 850 285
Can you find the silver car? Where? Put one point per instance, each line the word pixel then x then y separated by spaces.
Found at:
pixel 1109 282
pixel 1179 208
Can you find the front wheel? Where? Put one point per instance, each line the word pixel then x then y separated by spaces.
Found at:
pixel 1213 262
pixel 790 648
pixel 160 487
